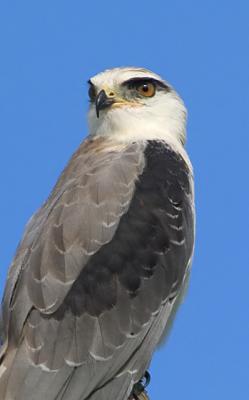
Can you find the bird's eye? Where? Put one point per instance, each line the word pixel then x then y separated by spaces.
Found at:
pixel 91 92
pixel 146 89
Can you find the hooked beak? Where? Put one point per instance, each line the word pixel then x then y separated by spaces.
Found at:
pixel 102 101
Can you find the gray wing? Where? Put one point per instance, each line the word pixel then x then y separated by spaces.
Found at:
pixel 92 285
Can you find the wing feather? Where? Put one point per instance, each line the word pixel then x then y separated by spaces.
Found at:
pixel 98 272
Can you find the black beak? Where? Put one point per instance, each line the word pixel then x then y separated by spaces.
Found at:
pixel 102 101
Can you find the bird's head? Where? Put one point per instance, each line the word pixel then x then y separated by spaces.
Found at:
pixel 135 104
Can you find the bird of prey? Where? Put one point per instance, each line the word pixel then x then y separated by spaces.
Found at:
pixel 103 264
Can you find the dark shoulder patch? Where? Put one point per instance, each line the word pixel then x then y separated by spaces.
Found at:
pixel 152 245
pixel 162 161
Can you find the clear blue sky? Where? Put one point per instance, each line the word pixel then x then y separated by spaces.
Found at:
pixel 48 51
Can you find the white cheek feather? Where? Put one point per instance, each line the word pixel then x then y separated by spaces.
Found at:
pixel 162 117
pixel 159 118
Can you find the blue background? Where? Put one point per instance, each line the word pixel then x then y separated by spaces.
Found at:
pixel 48 51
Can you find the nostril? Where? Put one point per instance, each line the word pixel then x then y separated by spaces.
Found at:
pixel 111 94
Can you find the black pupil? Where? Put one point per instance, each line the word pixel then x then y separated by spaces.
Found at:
pixel 145 88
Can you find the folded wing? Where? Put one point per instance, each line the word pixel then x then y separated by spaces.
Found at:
pixel 96 276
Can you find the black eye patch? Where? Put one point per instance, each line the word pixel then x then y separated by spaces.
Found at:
pixel 134 83
pixel 91 91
